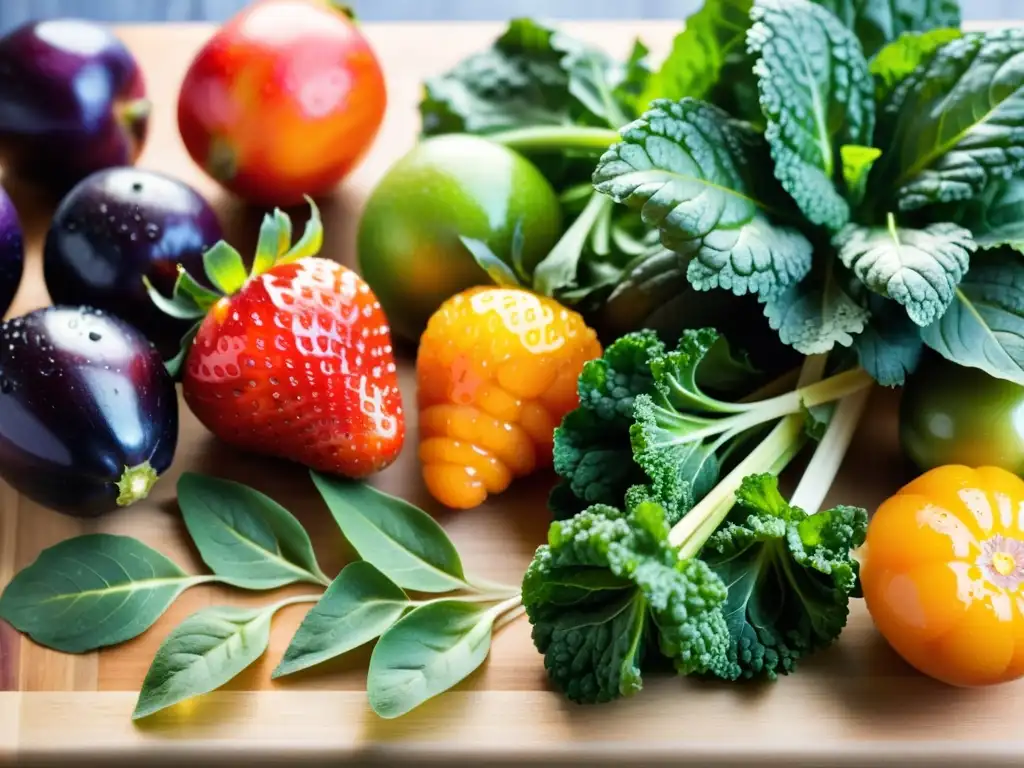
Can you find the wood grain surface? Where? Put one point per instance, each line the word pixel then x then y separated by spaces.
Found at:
pixel 855 703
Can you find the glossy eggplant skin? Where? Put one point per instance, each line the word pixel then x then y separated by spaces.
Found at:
pixel 83 395
pixel 12 252
pixel 118 225
pixel 72 101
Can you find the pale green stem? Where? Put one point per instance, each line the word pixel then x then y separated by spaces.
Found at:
pixel 556 138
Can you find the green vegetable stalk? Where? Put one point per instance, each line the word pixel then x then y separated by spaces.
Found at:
pixel 742 585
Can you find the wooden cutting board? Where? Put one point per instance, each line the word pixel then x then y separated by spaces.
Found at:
pixel 855 703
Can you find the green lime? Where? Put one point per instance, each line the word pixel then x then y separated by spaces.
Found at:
pixel 450 186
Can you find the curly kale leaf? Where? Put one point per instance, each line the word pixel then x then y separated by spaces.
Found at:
pixel 591 451
pixel 703 180
pixel 606 588
pixel 790 576
pixel 955 125
pixel 817 95
pixel 890 347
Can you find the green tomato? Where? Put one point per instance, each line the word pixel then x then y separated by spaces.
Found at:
pixel 950 414
pixel 408 244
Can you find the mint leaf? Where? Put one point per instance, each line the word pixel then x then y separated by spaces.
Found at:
pixel 956 124
pixel 817 313
pixel 889 348
pixel 995 217
pixel 877 22
pixel 918 268
pixel 693 66
pixel 984 325
pixel 817 94
pixel 700 178
pixel 902 56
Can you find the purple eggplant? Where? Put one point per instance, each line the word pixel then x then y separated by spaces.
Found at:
pixel 117 226
pixel 88 412
pixel 72 101
pixel 12 252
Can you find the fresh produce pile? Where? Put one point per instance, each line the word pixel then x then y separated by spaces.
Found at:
pixel 669 283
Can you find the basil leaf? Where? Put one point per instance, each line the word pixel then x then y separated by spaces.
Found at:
pixel 984 326
pixel 405 543
pixel 431 649
pixel 918 268
pixel 995 217
pixel 956 124
pixel 207 650
pixel 358 607
pixel 93 591
pixel 817 313
pixel 889 348
pixel 700 178
pixel 876 22
pixel 694 65
pixel 245 537
pixel 902 56
pixel 817 94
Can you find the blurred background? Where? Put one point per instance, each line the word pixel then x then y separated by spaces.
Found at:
pixel 13 12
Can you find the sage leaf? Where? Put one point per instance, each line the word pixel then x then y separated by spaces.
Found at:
pixel 918 268
pixel 204 652
pixel 956 124
pixel 245 537
pixel 877 22
pixel 816 94
pixel 93 591
pixel 984 325
pixel 431 649
pixel 817 313
pixel 699 177
pixel 357 607
pixel 405 543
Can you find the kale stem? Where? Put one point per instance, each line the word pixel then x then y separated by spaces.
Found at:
pixel 556 138
pixel 821 470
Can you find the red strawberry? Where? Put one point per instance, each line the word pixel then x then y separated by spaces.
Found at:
pixel 293 359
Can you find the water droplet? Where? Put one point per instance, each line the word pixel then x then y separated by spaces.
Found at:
pixel 103 208
pixel 236 392
pixel 6 386
pixel 71 226
pixel 123 228
pixel 93 336
pixel 133 236
pixel 274 381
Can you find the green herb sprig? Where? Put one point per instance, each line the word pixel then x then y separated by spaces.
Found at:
pixel 100 590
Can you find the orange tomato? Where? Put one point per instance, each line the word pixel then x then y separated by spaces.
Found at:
pixel 942 571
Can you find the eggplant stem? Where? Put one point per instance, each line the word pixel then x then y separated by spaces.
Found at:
pixel 136 483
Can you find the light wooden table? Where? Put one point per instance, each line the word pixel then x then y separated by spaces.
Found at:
pixel 854 704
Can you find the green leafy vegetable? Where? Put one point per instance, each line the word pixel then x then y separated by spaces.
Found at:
pixel 607 585
pixel 818 313
pixel 857 163
pixel 357 607
pixel 877 22
pixel 984 325
pixel 697 176
pixel 245 537
pixel 817 95
pixel 404 542
pixel 905 54
pixel 952 126
pixel 699 53
pixel 890 347
pixel 789 576
pixel 995 217
pixel 918 268
pixel 428 651
pixel 207 650
pixel 93 591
